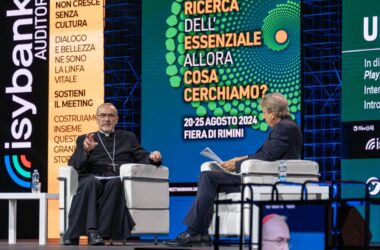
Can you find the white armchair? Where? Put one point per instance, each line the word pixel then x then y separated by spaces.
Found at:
pixel 263 172
pixel 146 192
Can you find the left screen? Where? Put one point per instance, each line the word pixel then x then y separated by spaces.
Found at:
pixel 52 80
pixel 24 89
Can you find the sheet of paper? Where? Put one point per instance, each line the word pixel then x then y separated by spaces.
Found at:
pixel 216 160
pixel 207 152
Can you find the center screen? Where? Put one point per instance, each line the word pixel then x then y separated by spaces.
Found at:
pixel 205 67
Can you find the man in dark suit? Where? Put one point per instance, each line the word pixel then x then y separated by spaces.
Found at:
pixel 99 208
pixel 284 142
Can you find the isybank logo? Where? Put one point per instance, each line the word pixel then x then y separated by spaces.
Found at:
pixel 15 152
pixel 372 144
pixel 20 90
pixel 18 168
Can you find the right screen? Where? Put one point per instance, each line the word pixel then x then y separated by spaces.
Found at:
pixel 302 227
pixel 361 99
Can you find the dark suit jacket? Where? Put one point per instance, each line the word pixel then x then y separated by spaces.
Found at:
pixel 283 143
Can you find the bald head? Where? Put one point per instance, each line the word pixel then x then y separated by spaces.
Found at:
pixel 275 233
pixel 108 106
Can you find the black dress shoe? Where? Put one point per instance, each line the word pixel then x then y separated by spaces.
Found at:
pixel 206 238
pixel 71 242
pixel 94 239
pixel 187 240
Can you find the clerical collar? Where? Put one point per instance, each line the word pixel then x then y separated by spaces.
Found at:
pixel 106 134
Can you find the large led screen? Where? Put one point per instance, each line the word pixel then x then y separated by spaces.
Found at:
pixel 205 67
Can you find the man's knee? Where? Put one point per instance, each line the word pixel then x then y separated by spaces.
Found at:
pixel 114 182
pixel 90 182
pixel 207 177
pixel 207 180
pixel 114 185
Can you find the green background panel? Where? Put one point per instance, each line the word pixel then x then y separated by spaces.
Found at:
pixel 353 62
pixel 362 170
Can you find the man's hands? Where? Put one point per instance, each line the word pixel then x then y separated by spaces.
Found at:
pixel 89 143
pixel 230 164
pixel 155 156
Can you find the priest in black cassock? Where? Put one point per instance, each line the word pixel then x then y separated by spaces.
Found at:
pixel 99 209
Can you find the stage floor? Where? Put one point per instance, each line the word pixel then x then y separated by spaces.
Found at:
pixel 54 245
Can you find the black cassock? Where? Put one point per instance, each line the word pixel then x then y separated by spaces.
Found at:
pixel 99 204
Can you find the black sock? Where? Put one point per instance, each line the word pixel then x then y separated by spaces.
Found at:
pixel 92 230
pixel 191 231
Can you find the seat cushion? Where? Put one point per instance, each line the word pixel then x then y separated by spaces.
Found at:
pixel 225 208
pixel 146 194
pixel 150 222
pixel 229 224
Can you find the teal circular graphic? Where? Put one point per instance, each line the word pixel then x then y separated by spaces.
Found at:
pixel 275 64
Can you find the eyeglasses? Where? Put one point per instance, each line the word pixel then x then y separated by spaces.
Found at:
pixel 104 116
pixel 280 242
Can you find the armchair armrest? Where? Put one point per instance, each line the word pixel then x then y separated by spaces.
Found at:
pixel 135 170
pixel 141 185
pixel 206 166
pixel 146 190
pixel 68 185
pixel 257 171
pixel 297 166
pixel 248 165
